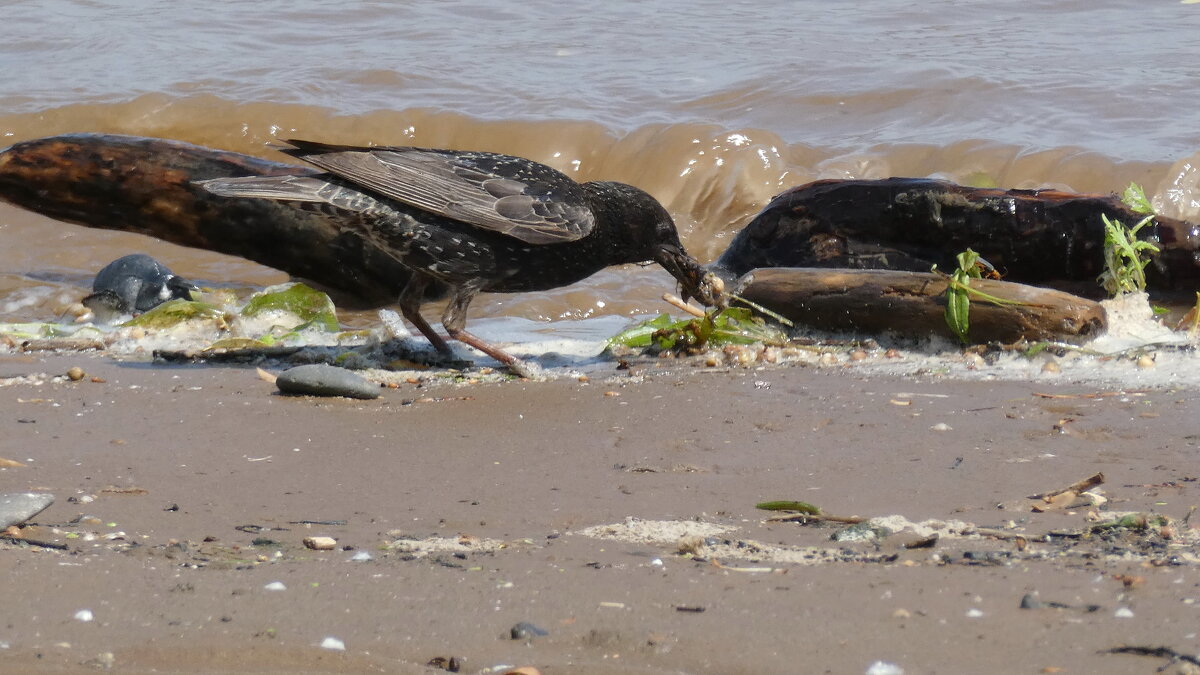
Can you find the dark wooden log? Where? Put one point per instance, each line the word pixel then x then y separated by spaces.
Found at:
pixel 147 185
pixel 913 304
pixel 1031 236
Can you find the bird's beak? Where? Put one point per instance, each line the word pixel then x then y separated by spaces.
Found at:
pixel 694 281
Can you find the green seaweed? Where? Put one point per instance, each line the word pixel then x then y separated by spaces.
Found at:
pixel 174 312
pixel 238 343
pixel 32 330
pixel 733 325
pixel 1132 521
pixel 788 505
pixel 314 308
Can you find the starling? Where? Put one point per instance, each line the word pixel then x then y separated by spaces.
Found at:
pixel 470 222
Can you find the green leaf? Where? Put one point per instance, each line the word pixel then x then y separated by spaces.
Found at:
pixel 968 262
pixel 312 307
pixel 639 335
pixel 1135 198
pixel 785 505
pixel 958 305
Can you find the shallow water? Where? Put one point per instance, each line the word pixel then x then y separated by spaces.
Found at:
pixel 712 107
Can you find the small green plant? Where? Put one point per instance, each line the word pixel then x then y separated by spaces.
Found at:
pixel 958 298
pixel 959 293
pixel 1125 257
pixel 733 325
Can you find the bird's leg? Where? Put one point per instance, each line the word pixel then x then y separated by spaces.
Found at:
pixel 454 319
pixel 410 306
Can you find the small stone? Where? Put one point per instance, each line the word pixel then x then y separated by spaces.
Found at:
pixel 526 631
pixel 18 507
pixel 361 556
pixel 858 355
pixel 974 613
pixel 941 426
pixel 1051 367
pixel 322 379
pixel 901 614
pixel 84 615
pixel 275 586
pixel 1123 613
pixel 827 359
pixel 75 373
pixel 1145 361
pixel 320 543
pixel 1031 601
pixel 333 643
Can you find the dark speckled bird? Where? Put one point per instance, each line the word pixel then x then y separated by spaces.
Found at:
pixel 479 221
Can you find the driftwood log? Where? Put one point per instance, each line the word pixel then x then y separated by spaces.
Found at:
pixel 147 185
pixel 1030 236
pixel 913 304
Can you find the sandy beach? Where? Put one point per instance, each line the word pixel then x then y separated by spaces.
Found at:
pixel 616 515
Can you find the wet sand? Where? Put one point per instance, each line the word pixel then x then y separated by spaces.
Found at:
pixel 473 502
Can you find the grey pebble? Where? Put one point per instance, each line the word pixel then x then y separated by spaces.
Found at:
pixel 322 379
pixel 18 507
pixel 526 631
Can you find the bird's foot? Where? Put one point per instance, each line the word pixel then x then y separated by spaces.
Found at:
pixel 515 366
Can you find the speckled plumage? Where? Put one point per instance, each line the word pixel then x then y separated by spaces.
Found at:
pixel 479 221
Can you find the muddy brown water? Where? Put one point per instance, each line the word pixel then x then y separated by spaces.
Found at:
pixel 713 108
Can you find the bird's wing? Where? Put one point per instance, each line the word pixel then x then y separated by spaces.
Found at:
pixel 517 197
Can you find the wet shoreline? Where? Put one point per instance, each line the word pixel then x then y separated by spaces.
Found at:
pixel 183 469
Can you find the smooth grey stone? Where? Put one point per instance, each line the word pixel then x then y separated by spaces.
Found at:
pixel 526 631
pixel 322 379
pixel 18 507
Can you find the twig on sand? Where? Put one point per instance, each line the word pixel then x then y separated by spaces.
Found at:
pixel 1099 394
pixel 1078 487
pixel 1164 652
pixel 35 542
pixel 678 302
pixel 816 517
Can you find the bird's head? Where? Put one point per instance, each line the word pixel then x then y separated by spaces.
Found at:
pixel 651 235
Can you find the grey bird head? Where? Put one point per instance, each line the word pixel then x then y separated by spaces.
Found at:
pixel 133 284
